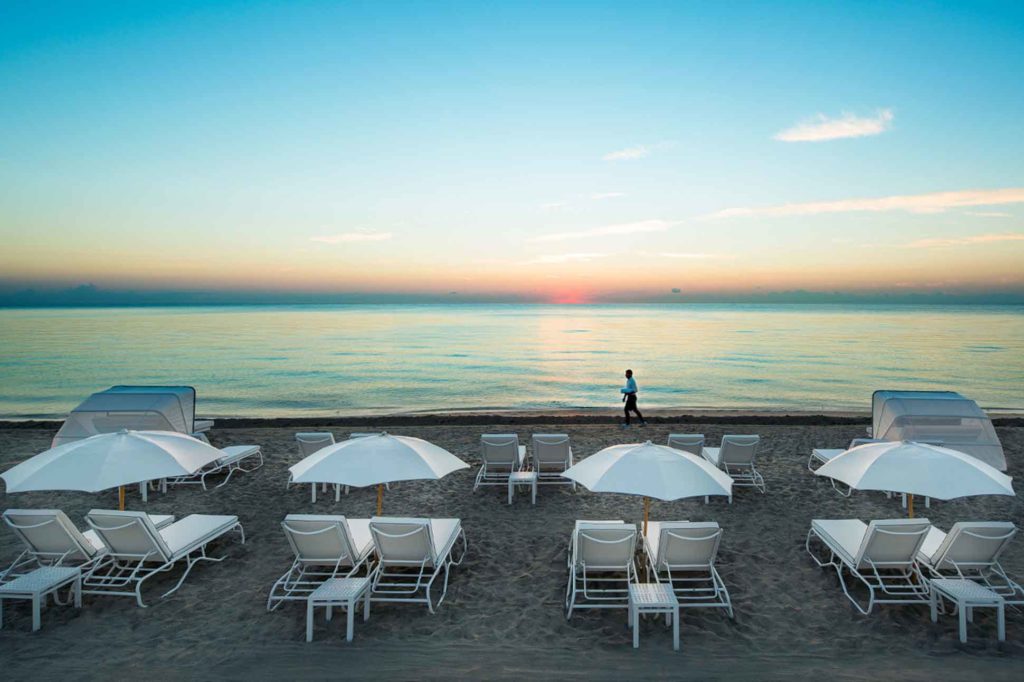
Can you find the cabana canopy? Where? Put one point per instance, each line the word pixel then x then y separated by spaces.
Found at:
pixel 937 417
pixel 137 408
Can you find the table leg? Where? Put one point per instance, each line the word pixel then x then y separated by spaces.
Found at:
pixel 36 607
pixel 534 500
pixel 933 603
pixel 1001 621
pixel 351 628
pixel 78 592
pixel 675 630
pixel 330 612
pixel 309 620
pixel 963 624
pixel 366 605
pixel 313 487
pixel 511 487
pixel 636 629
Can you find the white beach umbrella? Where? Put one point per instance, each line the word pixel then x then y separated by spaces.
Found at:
pixel 111 460
pixel 916 469
pixel 649 470
pixel 376 460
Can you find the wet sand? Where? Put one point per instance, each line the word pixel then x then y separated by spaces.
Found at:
pixel 504 617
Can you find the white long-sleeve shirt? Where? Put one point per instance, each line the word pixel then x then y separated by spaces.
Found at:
pixel 630 386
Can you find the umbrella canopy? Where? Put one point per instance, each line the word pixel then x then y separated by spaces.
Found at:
pixel 110 460
pixel 376 460
pixel 916 469
pixel 650 470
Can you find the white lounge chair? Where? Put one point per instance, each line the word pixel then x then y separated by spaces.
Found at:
pixel 880 555
pixel 137 550
pixel 551 454
pixel 736 458
pixel 411 554
pixel 500 456
pixel 310 442
pixel 325 547
pixel 601 566
pixel 687 442
pixel 971 551
pixel 51 539
pixel 683 554
pixel 232 460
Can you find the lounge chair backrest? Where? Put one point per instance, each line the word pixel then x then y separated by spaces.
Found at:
pixel 318 538
pixel 973 544
pixel 128 533
pixel 739 450
pixel 312 441
pixel 688 442
pixel 605 545
pixel 49 533
pixel 891 543
pixel 685 544
pixel 403 540
pixel 551 451
pixel 362 434
pixel 500 450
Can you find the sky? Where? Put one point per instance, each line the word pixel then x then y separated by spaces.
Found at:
pixel 557 152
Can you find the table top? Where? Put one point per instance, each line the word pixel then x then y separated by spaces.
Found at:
pixel 40 580
pixel 652 594
pixel 523 476
pixel 340 589
pixel 966 590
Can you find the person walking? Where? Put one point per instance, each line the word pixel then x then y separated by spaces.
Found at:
pixel 629 397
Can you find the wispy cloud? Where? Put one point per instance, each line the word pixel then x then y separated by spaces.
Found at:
pixel 628 154
pixel 822 128
pixel 554 205
pixel 989 214
pixel 556 258
pixel 619 229
pixel 348 237
pixel 936 202
pixel 636 152
pixel 939 243
pixel 606 195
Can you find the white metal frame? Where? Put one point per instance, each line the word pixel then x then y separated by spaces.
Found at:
pixel 230 463
pixel 306 574
pixel 989 574
pixel 743 474
pixel 888 582
pixel 687 442
pixel 400 580
pixel 124 573
pixel 495 470
pixel 599 585
pixel 32 558
pixel 550 470
pixel 696 585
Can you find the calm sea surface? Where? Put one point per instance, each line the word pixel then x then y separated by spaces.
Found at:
pixel 324 360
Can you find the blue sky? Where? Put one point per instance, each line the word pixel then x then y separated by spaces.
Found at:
pixel 548 151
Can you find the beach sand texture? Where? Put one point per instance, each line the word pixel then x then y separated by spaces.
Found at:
pixel 504 616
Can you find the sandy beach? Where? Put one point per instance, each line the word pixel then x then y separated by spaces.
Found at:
pixel 504 617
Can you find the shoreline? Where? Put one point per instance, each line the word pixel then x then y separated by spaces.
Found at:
pixel 589 416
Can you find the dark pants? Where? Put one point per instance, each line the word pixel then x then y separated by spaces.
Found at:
pixel 631 407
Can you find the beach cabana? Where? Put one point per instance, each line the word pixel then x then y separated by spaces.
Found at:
pixel 136 408
pixel 938 417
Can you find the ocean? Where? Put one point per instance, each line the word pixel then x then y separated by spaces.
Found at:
pixel 329 360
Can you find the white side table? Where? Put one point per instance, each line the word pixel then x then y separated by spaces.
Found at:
pixel 653 598
pixel 39 583
pixel 517 478
pixel 967 595
pixel 344 592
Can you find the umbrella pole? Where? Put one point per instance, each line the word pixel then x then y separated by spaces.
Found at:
pixel 910 506
pixel 120 497
pixel 380 498
pixel 647 509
